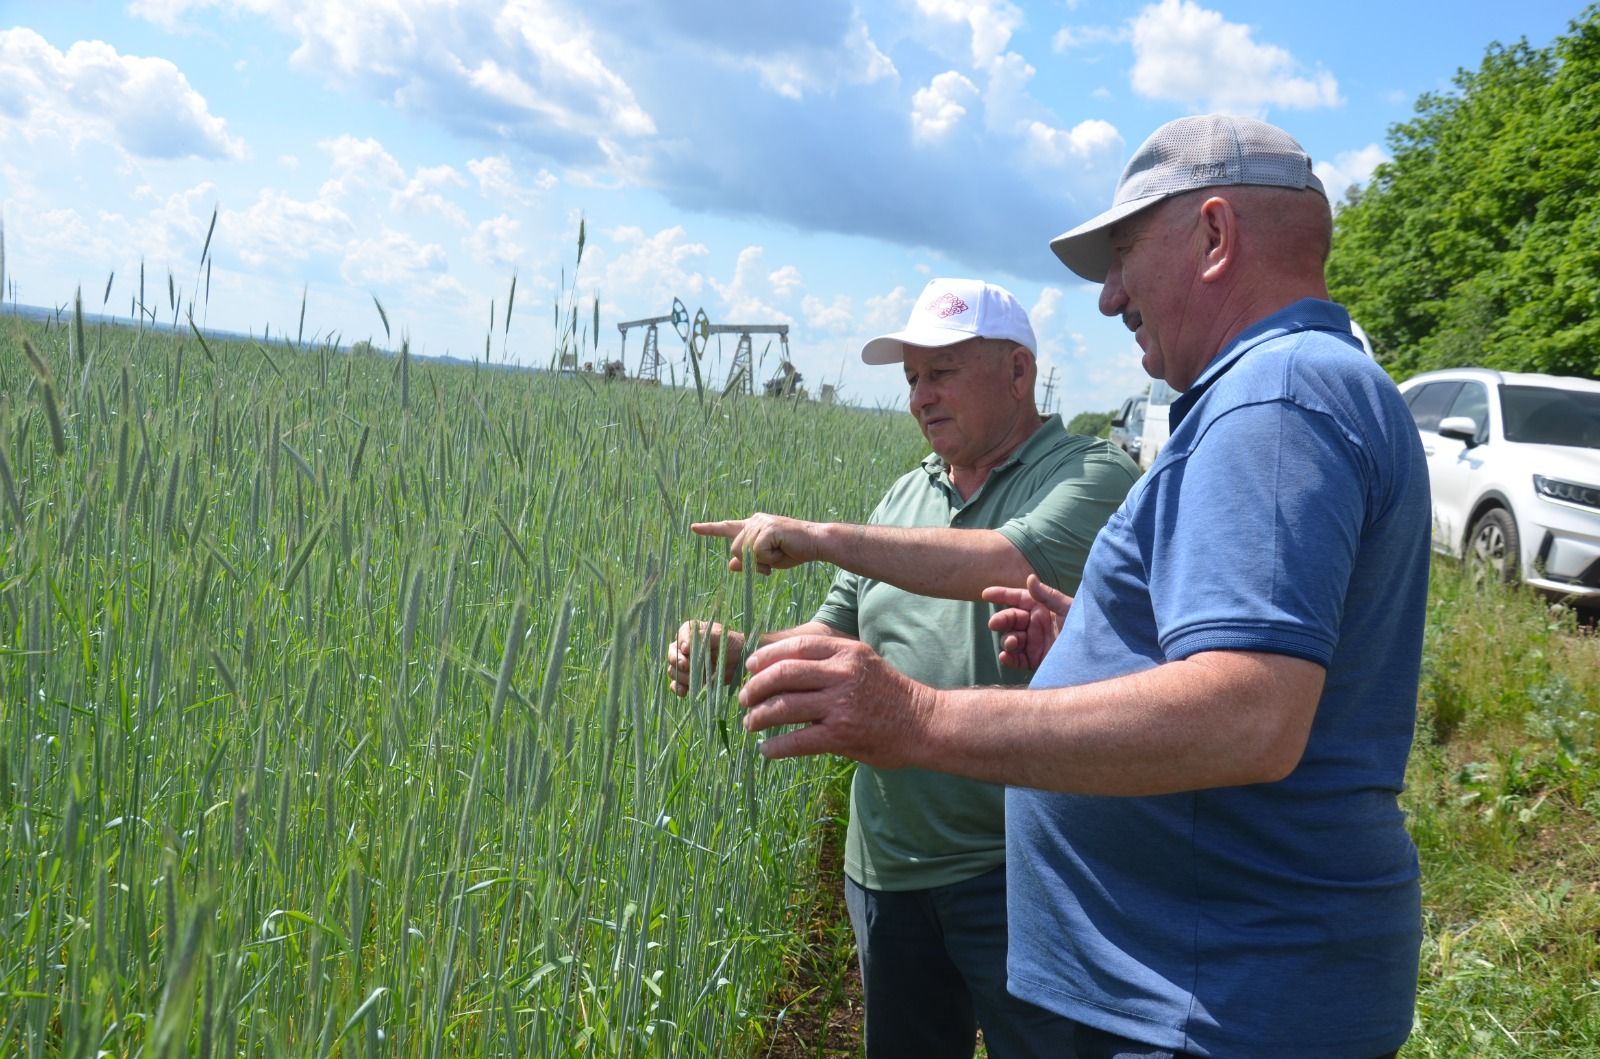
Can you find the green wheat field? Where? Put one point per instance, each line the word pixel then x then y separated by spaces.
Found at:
pixel 334 710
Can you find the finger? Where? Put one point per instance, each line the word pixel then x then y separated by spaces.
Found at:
pixel 1007 596
pixel 728 528
pixel 790 677
pixel 763 569
pixel 680 688
pixel 1014 652
pixel 1013 620
pixel 802 742
pixel 801 647
pixel 1053 598
pixel 787 707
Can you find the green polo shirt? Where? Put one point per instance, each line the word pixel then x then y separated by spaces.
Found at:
pixel 911 829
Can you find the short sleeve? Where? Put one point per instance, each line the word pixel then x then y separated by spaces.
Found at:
pixel 839 610
pixel 1256 534
pixel 1059 522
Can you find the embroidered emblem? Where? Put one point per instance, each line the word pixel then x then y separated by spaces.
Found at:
pixel 947 305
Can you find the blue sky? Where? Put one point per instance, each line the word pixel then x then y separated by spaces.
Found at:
pixel 804 163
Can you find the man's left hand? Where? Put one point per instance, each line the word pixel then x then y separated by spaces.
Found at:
pixel 849 699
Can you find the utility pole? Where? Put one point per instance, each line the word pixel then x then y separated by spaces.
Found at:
pixel 1049 390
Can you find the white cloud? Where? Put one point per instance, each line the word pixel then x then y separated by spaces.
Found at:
pixel 785 281
pixel 519 68
pixel 1044 310
pixel 1090 141
pixel 276 229
pixel 1008 105
pixel 421 194
pixel 144 106
pixel 494 242
pixel 563 50
pixel 938 108
pixel 834 316
pixel 391 258
pixel 1349 168
pixel 1190 55
pixel 360 165
pixel 888 312
pixel 742 297
pixel 650 270
pixel 792 73
pixel 992 23
pixel 497 179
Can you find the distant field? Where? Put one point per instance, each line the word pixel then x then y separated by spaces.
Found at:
pixel 335 715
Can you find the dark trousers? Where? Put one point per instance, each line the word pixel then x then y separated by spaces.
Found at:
pixel 933 970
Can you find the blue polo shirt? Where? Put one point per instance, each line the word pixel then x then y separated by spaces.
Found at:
pixel 1288 513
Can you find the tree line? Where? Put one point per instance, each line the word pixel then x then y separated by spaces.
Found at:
pixel 1479 243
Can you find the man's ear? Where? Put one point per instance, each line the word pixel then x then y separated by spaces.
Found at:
pixel 1219 225
pixel 1022 370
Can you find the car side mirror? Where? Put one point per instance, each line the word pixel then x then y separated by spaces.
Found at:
pixel 1119 422
pixel 1460 428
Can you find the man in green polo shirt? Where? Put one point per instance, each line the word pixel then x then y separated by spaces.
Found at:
pixel 1005 494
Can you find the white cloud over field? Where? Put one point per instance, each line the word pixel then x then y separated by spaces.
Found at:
pixel 1188 54
pixel 144 106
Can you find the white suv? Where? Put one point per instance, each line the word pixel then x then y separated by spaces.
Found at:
pixel 1514 461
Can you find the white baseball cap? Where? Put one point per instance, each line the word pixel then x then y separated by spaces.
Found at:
pixel 954 310
pixel 1201 151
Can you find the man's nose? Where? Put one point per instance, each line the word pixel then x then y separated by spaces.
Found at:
pixel 1113 299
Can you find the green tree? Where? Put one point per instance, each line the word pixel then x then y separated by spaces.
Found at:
pixel 1479 244
pixel 1093 424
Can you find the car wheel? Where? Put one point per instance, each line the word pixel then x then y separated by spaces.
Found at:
pixel 1492 546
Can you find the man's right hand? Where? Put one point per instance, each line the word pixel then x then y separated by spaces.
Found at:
pixel 772 541
pixel 714 642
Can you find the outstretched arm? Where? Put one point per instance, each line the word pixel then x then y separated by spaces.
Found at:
pixel 1218 718
pixel 930 561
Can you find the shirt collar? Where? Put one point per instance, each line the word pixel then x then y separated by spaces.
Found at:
pixel 1307 314
pixel 1029 450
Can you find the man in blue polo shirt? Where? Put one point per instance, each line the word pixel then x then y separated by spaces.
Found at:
pixel 1205 852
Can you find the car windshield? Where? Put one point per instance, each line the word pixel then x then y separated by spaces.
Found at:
pixel 1543 415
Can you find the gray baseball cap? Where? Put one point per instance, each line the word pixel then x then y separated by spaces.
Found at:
pixel 1204 151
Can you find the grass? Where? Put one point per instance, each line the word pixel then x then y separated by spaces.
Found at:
pixel 336 722
pixel 1505 808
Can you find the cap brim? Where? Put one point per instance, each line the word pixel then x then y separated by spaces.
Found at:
pixel 891 349
pixel 1086 249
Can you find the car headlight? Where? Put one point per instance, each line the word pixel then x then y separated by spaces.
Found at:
pixel 1569 492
